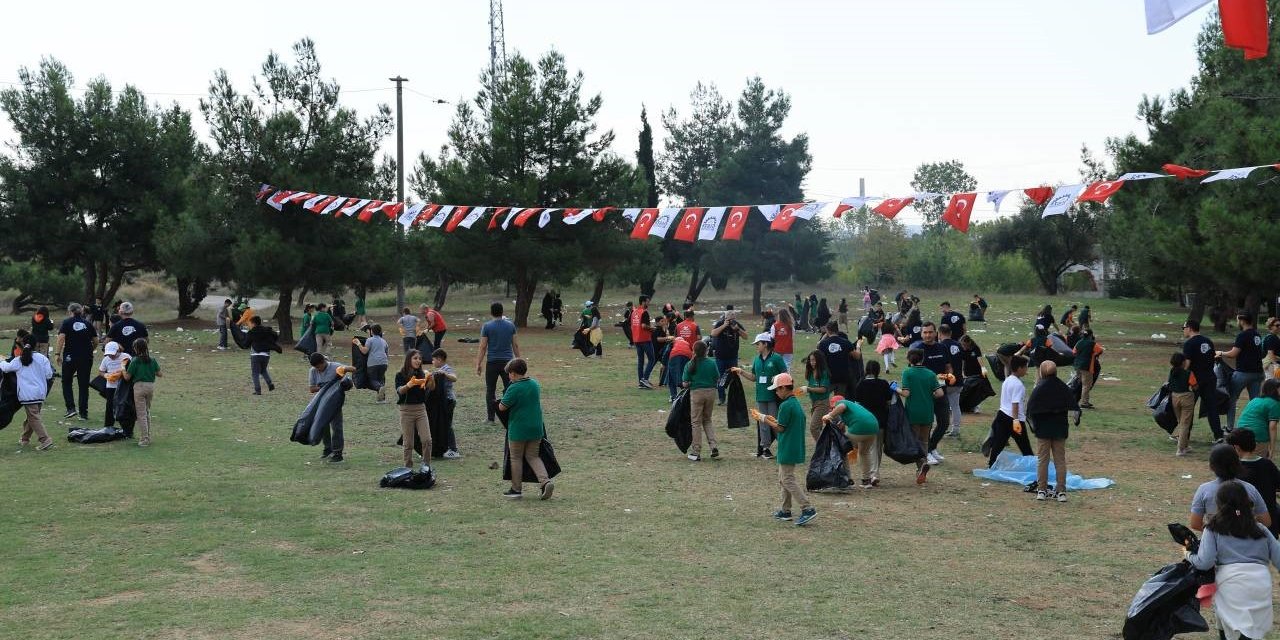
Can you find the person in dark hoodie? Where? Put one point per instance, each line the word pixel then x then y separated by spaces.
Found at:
pixel 1047 408
pixel 547 312
pixel 262 341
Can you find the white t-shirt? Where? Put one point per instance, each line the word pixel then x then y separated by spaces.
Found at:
pixel 108 366
pixel 1011 391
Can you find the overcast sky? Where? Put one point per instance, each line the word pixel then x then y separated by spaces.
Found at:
pixel 1011 88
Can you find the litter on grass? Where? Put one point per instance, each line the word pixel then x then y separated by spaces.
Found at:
pixel 1021 470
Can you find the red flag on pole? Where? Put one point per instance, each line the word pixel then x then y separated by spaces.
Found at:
pixel 524 216
pixel 1100 191
pixel 428 212
pixel 1182 173
pixel 786 217
pixel 644 222
pixel 498 213
pixel 392 210
pixel 1039 195
pixel 690 220
pixel 958 211
pixel 735 222
pixel 892 206
pixel 458 214
pixel 600 213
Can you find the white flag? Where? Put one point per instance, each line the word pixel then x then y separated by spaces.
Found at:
pixel 809 210
pixel 1231 174
pixel 630 214
pixel 857 202
pixel 441 216
pixel 351 210
pixel 511 215
pixel 1141 175
pixel 996 197
pixel 711 223
pixel 1161 14
pixel 921 196
pixel 579 216
pixel 475 214
pixel 770 211
pixel 410 214
pixel 1062 199
pixel 333 206
pixel 545 218
pixel 311 202
pixel 666 218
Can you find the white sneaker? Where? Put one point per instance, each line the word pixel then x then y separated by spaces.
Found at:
pixel 937 456
pixel 452 455
pixel 931 460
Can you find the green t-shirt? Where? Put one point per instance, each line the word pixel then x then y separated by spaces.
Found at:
pixel 791 440
pixel 1179 380
pixel 306 322
pixel 921 382
pixel 524 400
pixel 323 322
pixel 1084 352
pixel 823 381
pixel 359 306
pixel 140 371
pixel 1257 416
pixel 858 421
pixel 763 372
pixel 704 378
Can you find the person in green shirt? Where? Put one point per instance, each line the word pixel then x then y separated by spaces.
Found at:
pixel 763 369
pixel 142 372
pixel 1261 416
pixel 1181 397
pixel 308 312
pixel 361 318
pixel 323 324
pixel 862 427
pixel 789 425
pixel 818 388
pixel 522 401
pixel 700 377
pixel 920 387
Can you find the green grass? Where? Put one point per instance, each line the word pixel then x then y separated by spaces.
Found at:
pixel 224 528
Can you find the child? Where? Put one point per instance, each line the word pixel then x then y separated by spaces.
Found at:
pixel 920 387
pixel 375 348
pixel 1258 471
pixel 700 377
pixel 789 427
pixel 34 375
pixel 112 368
pixel 523 399
pixel 1183 399
pixel 763 369
pixel 411 398
pixel 41 325
pixel 262 341
pixel 440 360
pixel 888 342
pixel 408 329
pixel 143 371
pixel 862 428
pixel 1009 420
pixel 322 372
pixel 818 388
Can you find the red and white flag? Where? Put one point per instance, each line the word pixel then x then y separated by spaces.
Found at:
pixel 666 217
pixel 1039 195
pixel 958 211
pixel 336 205
pixel 410 214
pixel 599 214
pixel 392 210
pixel 523 217
pixel 711 223
pixel 890 207
pixel 277 201
pixel 786 217
pixel 428 212
pixel 1244 26
pixel 298 197
pixel 366 214
pixel 1182 173
pixel 263 191
pixel 574 216
pixel 473 217
pixel 849 204
pixel 1100 191
pixel 1231 174
pixel 500 212
pixel 317 205
pixel 690 219
pixel 441 216
pixel 313 201
pixel 735 223
pixel 354 206
pixel 1062 199
pixel 644 221
pixel 455 218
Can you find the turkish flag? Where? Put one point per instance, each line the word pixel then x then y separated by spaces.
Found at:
pixel 277 201
pixel 735 222
pixel 366 214
pixel 318 205
pixel 299 196
pixel 497 215
pixel 263 191
pixel 1100 191
pixel 1244 26
pixel 393 210
pixel 959 210
pixel 336 206
pixel 786 217
pixel 1182 173
pixel 428 212
pixel 644 222
pixel 458 214
pixel 600 213
pixel 892 206
pixel 690 220
pixel 1039 195
pixel 840 210
pixel 524 216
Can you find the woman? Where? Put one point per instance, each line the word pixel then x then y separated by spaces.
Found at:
pixel 818 388
pixel 33 373
pixel 143 371
pixel 910 332
pixel 1261 416
pixel 1225 464
pixel 525 429
pixel 970 357
pixel 412 384
pixel 308 313
pixel 1271 349
pixel 662 337
pixel 823 315
pixel 1238 550
pixel 41 325
pixel 784 333
pixel 700 378
pixel 361 318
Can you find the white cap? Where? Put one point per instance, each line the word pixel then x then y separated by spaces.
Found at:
pixel 112 348
pixel 764 337
pixel 587 303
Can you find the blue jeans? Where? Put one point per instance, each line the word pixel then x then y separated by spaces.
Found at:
pixel 644 351
pixel 723 365
pixel 1241 381
pixel 675 373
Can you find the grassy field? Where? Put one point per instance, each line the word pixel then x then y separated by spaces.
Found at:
pixel 225 529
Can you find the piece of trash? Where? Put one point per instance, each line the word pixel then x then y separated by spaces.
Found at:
pixel 626 511
pixel 180 329
pixel 215 419
pixel 985 484
pixel 1119 333
pixel 1110 379
pixel 492 465
pixel 728 497
pixel 357 552
pixel 1186 477
pixel 239 440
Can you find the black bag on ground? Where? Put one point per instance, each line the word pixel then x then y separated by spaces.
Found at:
pixel 996 366
pixel 680 422
pixel 99 384
pixel 1166 605
pixel 307 343
pixel 735 402
pixel 829 468
pixel 315 418
pixel 124 410
pixel 900 443
pixel 9 405
pixel 1161 405
pixel 406 478
pixel 94 436
pixel 973 391
pixel 361 362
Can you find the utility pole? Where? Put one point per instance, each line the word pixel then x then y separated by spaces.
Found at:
pixel 400 174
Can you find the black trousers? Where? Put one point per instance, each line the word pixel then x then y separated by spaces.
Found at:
pixel 1206 393
pixel 80 370
pixel 493 370
pixel 1001 431
pixel 110 419
pixel 942 422
pixel 439 340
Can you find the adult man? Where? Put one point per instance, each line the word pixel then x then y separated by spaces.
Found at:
pixel 498 346
pixel 1199 352
pixel 938 360
pixel 841 356
pixel 224 321
pixel 945 333
pixel 953 319
pixel 1247 352
pixel 642 337
pixel 76 341
pixel 725 334
pixel 127 329
pixel 688 330
pixel 435 322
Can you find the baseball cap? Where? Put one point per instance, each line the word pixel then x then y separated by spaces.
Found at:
pixel 764 337
pixel 782 380
pixel 112 348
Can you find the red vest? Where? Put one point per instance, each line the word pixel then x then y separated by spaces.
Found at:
pixel 639 332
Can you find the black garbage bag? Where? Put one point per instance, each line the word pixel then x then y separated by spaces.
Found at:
pixel 1161 405
pixel 973 391
pixel 545 451
pixel 361 362
pixel 439 417
pixel 1062 354
pixel 735 402
pixel 315 418
pixel 680 421
pixel 406 478
pixel 976 314
pixel 345 320
pixel 867 328
pixel 307 343
pixel 1166 605
pixel 1008 349
pixel 583 343
pixel 94 436
pixel 1223 398
pixel 900 443
pixel 9 405
pixel 996 366
pixel 124 410
pixel 829 468
pixel 240 336
pixel 99 384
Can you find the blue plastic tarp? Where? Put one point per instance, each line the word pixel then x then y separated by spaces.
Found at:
pixel 1021 470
